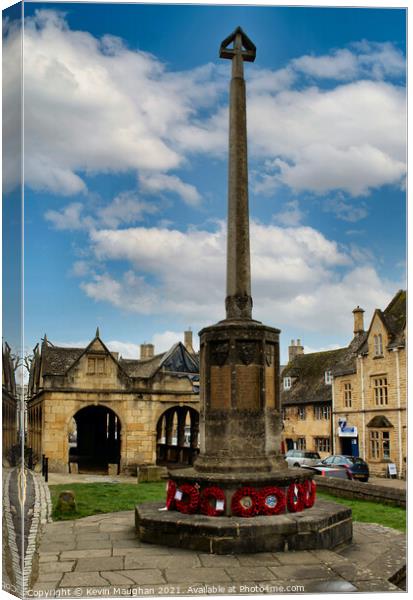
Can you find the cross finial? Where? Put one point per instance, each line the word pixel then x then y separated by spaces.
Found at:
pixel 242 46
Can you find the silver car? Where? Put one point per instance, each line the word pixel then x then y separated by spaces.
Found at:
pixel 301 458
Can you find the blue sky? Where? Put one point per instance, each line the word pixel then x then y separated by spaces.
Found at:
pixel 125 169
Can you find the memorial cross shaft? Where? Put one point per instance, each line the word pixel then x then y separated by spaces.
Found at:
pixel 238 301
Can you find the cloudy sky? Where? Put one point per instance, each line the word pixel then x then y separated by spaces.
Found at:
pixel 126 158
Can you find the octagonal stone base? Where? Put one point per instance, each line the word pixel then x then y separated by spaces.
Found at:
pixel 324 526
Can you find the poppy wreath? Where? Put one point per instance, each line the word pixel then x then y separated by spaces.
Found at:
pixel 213 493
pixel 190 499
pixel 170 494
pixel 272 501
pixel 309 488
pixel 295 496
pixel 241 510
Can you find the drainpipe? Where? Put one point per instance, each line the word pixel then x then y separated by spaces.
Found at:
pixel 333 439
pixel 396 350
pixel 362 408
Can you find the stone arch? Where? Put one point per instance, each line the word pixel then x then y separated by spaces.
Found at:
pixel 177 436
pixel 97 442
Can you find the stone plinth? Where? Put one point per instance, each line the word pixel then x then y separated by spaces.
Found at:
pixel 240 422
pixel 324 526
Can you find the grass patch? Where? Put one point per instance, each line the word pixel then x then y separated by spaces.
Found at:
pixel 371 512
pixel 96 498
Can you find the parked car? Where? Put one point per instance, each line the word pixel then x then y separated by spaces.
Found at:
pixel 301 458
pixel 324 471
pixel 355 466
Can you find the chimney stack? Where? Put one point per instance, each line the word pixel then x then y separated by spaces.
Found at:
pixel 147 351
pixel 358 320
pixel 188 341
pixel 294 349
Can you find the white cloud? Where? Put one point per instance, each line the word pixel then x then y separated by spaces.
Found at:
pixel 364 59
pixel 159 182
pixel 97 106
pixel 291 216
pixel 69 218
pixel 125 349
pixel 300 278
pixel 349 138
pixel 125 208
pixel 345 211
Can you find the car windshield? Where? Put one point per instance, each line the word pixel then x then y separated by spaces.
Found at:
pixel 312 455
pixel 354 459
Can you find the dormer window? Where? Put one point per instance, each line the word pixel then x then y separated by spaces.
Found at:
pixel 328 377
pixel 378 345
pixel 287 383
pixel 95 366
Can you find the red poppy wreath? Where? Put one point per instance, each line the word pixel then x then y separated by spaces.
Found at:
pixel 212 501
pixel 189 498
pixel 309 489
pixel 245 502
pixel 273 501
pixel 295 495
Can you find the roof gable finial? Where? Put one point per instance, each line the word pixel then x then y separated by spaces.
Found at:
pixel 97 332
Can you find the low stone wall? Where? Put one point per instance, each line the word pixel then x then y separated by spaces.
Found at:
pixel 361 491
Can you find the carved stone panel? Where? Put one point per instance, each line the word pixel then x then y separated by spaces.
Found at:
pixel 247 352
pixel 220 388
pixel 248 387
pixel 269 354
pixel 219 353
pixel 269 387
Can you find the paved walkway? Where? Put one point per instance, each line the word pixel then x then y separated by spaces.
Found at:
pixel 398 484
pixel 100 555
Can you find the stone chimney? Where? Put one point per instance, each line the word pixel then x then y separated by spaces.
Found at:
pixel 358 320
pixel 294 349
pixel 188 341
pixel 147 351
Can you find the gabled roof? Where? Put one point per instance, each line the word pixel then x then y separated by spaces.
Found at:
pixel 175 360
pixel 58 360
pixel 347 363
pixel 309 370
pixel 393 318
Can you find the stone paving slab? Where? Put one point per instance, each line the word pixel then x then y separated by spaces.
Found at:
pixel 99 556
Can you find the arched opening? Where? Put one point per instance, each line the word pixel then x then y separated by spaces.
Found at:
pixel 177 433
pixel 94 439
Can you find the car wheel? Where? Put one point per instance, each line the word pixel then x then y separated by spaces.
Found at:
pixel 365 479
pixel 297 465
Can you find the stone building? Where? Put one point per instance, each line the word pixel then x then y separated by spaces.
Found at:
pixel 306 399
pixel 370 393
pixel 89 408
pixel 9 402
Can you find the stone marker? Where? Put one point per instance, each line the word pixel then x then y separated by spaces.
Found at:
pixel 113 469
pixel 66 502
pixel 240 418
